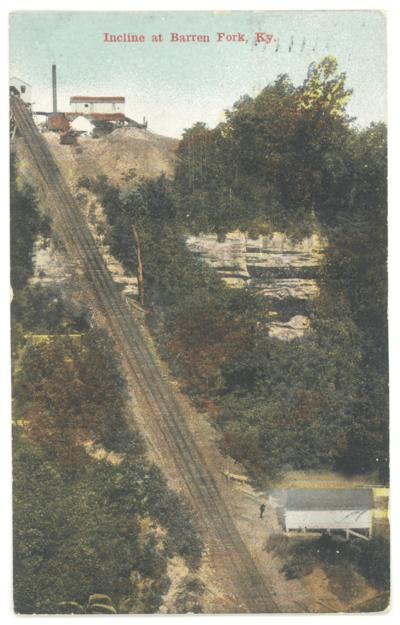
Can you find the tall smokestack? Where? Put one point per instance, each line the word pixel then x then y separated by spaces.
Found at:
pixel 54 82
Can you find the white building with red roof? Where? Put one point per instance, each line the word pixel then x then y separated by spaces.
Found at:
pixel 89 105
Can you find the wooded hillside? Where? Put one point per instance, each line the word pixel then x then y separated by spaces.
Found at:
pixel 289 159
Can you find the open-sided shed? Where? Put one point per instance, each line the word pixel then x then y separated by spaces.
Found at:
pixel 326 509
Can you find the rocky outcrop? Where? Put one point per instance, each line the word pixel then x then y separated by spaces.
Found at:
pixel 295 328
pixel 227 257
pixel 274 266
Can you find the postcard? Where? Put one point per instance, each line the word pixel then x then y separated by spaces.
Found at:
pixel 198 206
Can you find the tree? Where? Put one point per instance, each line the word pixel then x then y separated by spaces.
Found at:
pixel 68 393
pixel 26 223
pixel 324 90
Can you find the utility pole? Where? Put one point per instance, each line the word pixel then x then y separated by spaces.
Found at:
pixel 139 265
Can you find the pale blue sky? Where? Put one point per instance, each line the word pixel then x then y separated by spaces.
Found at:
pixel 177 84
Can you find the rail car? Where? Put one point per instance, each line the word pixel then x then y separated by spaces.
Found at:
pixel 15 94
pixel 22 89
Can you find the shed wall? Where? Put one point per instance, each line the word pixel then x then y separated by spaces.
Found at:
pixel 97 107
pixel 328 519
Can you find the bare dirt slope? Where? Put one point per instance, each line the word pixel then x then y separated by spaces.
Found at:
pixel 114 155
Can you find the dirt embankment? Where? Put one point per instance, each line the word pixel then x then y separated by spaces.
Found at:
pixel 124 155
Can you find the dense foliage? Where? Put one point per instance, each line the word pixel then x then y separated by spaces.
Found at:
pixel 288 159
pixel 26 223
pixel 277 160
pixel 93 527
pixel 92 516
pixel 370 558
pixel 203 323
pixel 291 159
pixel 87 523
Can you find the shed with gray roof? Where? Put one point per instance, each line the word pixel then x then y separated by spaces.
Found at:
pixel 326 509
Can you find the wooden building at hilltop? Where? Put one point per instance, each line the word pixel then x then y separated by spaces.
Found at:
pixel 87 105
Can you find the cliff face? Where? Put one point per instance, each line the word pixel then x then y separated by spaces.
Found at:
pixel 275 266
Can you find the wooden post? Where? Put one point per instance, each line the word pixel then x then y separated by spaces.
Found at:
pixel 140 266
pixel 354 533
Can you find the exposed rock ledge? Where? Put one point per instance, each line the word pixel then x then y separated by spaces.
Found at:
pixel 275 266
pixel 295 328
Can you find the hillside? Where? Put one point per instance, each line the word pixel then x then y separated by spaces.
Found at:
pixel 114 155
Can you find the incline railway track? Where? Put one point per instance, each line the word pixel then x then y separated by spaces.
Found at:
pixel 239 576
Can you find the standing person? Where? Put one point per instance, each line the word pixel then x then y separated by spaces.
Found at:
pixel 262 510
